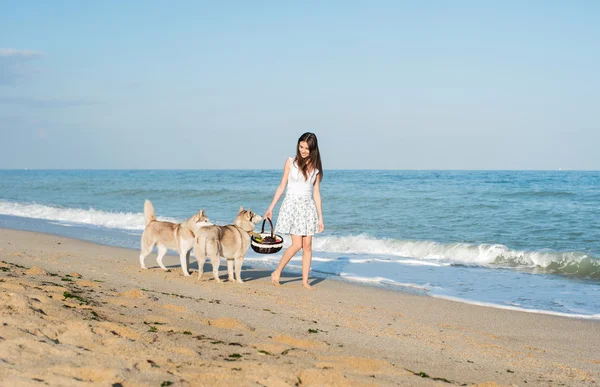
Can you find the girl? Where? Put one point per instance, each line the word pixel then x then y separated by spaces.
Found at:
pixel 300 214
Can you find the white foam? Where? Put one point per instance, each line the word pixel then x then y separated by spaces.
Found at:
pixel 413 262
pixel 464 253
pixel 70 216
pixel 298 258
pixel 515 308
pixel 410 262
pixel 383 281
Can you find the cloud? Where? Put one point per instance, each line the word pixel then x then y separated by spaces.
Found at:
pixel 32 102
pixel 19 54
pixel 13 64
pixel 40 133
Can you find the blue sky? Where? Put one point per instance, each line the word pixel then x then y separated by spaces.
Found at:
pixel 233 84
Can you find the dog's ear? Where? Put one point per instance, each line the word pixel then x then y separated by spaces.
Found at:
pixel 241 208
pixel 201 213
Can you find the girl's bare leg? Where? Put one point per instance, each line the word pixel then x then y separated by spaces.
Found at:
pixel 289 253
pixel 306 260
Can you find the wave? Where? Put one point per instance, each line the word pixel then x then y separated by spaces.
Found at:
pixel 426 253
pixel 518 308
pixel 384 281
pixel 93 217
pixel 494 255
pixel 410 262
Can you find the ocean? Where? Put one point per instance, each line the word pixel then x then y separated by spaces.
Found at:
pixel 526 240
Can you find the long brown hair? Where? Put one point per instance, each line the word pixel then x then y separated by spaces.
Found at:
pixel 314 157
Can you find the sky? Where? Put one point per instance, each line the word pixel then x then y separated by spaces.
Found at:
pixel 506 85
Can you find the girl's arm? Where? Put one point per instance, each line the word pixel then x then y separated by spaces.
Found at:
pixel 317 196
pixel 279 191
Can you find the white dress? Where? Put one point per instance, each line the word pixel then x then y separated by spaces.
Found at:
pixel 298 213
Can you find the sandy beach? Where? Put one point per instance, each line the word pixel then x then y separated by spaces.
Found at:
pixel 75 313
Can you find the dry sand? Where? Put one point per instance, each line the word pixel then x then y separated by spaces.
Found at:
pixel 76 313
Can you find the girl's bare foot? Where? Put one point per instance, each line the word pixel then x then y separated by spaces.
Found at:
pixel 307 286
pixel 275 279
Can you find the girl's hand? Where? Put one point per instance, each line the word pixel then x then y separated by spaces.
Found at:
pixel 268 214
pixel 321 225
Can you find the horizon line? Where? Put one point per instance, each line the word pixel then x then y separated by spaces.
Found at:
pixel 278 169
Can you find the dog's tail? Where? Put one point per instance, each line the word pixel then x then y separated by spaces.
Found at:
pixel 149 215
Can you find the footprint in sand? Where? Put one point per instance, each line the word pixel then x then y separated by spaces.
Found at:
pixel 36 270
pixel 133 293
pixel 229 323
pixel 299 343
pixel 175 308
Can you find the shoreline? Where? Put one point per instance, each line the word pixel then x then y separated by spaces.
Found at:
pixel 396 287
pixel 342 333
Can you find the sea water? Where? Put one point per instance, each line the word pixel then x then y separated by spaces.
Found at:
pixel 527 240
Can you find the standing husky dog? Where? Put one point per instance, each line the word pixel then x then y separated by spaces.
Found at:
pixel 166 235
pixel 230 242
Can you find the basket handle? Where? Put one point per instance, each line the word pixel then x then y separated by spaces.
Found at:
pixel 262 230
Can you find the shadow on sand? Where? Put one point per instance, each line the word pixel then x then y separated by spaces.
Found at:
pixel 248 273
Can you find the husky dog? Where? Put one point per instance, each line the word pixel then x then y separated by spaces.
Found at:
pixel 166 235
pixel 230 242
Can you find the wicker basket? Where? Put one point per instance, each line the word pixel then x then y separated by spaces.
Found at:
pixel 266 247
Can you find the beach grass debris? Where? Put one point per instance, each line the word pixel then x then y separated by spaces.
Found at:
pixel 287 351
pixel 152 329
pixel 166 383
pixel 153 364
pixel 78 298
pixel 187 332
pixel 235 356
pixel 265 352
pixel 425 375
pixel 46 283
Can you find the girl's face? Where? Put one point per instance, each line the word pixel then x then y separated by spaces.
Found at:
pixel 303 148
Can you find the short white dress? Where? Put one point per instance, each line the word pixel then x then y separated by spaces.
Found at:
pixel 298 213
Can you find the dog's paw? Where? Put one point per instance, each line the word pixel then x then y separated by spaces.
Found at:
pixel 240 281
pixel 144 268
